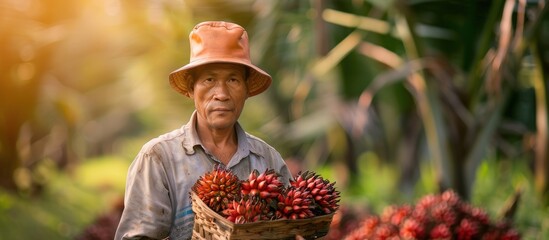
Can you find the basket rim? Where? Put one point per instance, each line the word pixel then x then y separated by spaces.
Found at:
pixel 233 225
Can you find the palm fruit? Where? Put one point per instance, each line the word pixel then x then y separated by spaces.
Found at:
pixel 443 216
pixel 217 188
pixel 365 229
pixel 295 203
pixel 324 194
pixel 266 185
pixel 396 214
pixel 245 210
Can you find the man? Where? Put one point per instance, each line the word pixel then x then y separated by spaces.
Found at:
pixel 219 79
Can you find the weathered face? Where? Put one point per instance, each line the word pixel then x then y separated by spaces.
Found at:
pixel 219 93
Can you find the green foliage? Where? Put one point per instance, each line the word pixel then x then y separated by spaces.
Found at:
pixel 67 204
pixel 496 183
pixel 380 180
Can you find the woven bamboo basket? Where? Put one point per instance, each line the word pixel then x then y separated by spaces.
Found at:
pixel 209 225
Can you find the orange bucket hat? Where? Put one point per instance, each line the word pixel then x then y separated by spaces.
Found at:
pixel 214 42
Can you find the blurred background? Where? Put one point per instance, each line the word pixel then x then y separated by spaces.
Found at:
pixel 391 99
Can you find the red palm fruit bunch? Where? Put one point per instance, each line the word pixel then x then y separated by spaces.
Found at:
pixel 264 197
pixel 326 198
pixel 295 203
pixel 247 209
pixel 265 185
pixel 443 216
pixel 217 188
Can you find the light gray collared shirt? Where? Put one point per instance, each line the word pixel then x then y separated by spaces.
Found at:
pixel 157 202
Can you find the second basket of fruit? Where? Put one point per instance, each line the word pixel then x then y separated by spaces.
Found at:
pixel 262 207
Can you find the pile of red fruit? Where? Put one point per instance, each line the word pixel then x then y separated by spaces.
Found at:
pixel 263 196
pixel 443 216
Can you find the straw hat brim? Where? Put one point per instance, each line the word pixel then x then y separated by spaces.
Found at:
pixel 258 80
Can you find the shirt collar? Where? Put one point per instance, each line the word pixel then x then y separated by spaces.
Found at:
pixel 191 138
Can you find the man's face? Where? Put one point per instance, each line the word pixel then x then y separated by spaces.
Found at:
pixel 219 93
